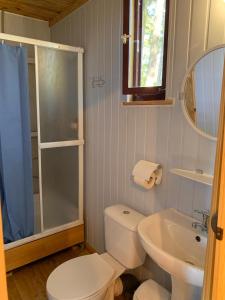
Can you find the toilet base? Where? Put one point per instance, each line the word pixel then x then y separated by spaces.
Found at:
pixel 114 290
pixel 184 291
pixel 152 291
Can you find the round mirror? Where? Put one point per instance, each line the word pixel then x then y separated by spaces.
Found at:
pixel 202 93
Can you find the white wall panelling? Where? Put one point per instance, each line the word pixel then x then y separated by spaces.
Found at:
pixel 25 26
pixel 216 28
pixel 116 137
pixel 1 22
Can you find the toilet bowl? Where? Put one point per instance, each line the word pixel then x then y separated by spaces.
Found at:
pixel 96 277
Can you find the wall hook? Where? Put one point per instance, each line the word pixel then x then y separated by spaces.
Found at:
pixel 98 82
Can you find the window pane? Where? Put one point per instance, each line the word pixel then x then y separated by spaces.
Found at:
pixel 58 95
pixel 153 24
pixel 146 43
pixel 60 186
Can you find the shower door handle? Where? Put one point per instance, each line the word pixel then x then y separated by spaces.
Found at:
pixel 217 230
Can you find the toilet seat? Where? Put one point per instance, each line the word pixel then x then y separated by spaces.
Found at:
pixel 79 278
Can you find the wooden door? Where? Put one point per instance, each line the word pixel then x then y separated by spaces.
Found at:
pixel 214 285
pixel 3 286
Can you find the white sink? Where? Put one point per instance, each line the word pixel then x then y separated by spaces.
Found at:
pixel 170 240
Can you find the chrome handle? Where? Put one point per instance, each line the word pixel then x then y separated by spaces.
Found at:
pixel 216 229
pixel 205 216
pixel 125 37
pixel 203 212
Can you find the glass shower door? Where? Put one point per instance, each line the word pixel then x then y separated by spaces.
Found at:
pixel 60 135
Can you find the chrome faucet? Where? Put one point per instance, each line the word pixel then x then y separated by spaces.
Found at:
pixel 205 220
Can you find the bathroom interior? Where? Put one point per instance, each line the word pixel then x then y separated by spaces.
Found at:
pixel 109 126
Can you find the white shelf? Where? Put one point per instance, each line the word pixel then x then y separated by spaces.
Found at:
pixel 194 175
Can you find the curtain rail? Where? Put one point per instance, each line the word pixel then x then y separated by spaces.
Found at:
pixel 34 42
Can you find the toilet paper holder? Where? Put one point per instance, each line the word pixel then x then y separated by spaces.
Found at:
pixel 147 174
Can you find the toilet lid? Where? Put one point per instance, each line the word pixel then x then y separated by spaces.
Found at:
pixel 79 278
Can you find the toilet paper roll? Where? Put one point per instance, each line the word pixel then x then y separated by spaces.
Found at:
pixel 144 183
pixel 158 174
pixel 144 169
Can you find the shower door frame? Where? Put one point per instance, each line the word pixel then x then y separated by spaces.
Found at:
pixel 78 143
pixel 61 144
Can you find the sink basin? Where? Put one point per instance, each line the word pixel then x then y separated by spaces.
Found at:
pixel 179 249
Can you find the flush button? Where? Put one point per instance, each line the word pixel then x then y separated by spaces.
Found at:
pixel 126 212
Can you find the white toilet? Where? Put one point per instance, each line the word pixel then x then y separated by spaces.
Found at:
pixel 96 277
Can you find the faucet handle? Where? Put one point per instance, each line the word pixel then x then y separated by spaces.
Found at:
pixel 205 216
pixel 203 212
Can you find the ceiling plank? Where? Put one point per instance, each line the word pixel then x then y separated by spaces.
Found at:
pixel 54 6
pixel 26 10
pixel 66 11
pixel 47 10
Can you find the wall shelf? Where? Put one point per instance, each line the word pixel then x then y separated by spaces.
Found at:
pixel 194 176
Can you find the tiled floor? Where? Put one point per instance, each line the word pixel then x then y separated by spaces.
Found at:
pixel 29 282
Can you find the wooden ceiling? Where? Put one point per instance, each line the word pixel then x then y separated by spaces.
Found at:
pixel 48 10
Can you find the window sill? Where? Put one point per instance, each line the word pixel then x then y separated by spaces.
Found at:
pixel 167 102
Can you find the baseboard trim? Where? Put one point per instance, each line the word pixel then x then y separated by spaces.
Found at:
pixel 30 252
pixel 89 248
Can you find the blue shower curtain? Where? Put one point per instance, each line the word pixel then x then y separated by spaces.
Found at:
pixel 16 189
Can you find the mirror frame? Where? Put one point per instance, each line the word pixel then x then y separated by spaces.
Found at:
pixel 187 117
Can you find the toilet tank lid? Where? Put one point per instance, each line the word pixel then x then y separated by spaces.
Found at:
pixel 125 216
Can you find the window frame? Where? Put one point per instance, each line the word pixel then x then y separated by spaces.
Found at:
pixel 142 93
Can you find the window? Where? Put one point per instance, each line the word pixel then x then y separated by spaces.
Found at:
pixel 145 40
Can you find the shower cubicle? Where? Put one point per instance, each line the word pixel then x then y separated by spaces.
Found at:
pixel 55 84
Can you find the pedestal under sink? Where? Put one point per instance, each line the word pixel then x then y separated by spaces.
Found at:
pixel 170 240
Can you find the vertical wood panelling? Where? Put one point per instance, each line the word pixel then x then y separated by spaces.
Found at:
pixel 151 151
pixel 24 26
pixel 130 160
pixel 116 137
pixel 170 51
pixel 123 124
pixel 1 22
pixel 92 117
pixel 199 29
pixel 177 133
pixel 140 140
pixel 181 36
pixel 94 103
pixel 115 61
pixel 101 121
pixel 107 142
pixel 216 33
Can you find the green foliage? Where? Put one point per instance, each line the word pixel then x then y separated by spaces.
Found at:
pixel 152 42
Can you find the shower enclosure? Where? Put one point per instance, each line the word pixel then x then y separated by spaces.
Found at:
pixel 56 112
